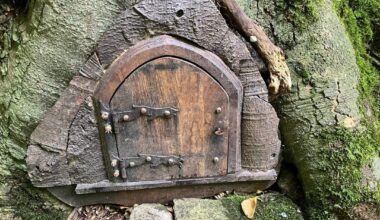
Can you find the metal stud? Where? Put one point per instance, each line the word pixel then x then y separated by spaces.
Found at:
pixel 125 117
pixel 132 164
pixel 148 158
pixel 105 115
pixel 218 110
pixel 116 173
pixel 113 163
pixel 143 111
pixel 108 128
pixel 170 161
pixel 167 113
pixel 215 159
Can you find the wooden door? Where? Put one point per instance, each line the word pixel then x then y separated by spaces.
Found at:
pixel 171 121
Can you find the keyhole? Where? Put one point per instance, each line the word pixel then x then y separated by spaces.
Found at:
pixel 180 13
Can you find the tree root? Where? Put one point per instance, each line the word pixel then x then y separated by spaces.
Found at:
pixel 280 82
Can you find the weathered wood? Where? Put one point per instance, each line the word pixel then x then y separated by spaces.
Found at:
pixel 261 144
pixel 46 156
pixel 92 69
pixel 169 46
pixel 84 155
pixel 67 194
pixel 208 32
pixel 172 82
pixel 243 176
pixel 47 168
pixel 280 82
pixel 53 130
pixel 67 137
pixel 201 23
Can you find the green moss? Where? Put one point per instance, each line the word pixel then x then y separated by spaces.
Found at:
pixel 269 206
pixel 359 17
pixel 341 160
pixel 233 203
pixel 277 206
pixel 301 13
pixel 31 203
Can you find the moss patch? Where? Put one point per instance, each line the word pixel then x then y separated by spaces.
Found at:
pixel 359 17
pixel 342 159
pixel 349 151
pixel 269 206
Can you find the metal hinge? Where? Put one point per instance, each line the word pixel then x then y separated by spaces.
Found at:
pixel 121 165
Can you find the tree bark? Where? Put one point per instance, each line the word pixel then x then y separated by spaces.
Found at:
pixel 44 48
pixel 319 120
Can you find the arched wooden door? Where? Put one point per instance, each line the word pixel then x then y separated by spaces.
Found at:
pixel 171 121
pixel 172 113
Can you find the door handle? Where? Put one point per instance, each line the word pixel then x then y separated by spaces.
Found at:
pixel 219 132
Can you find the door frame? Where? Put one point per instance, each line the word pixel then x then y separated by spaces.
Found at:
pixel 154 48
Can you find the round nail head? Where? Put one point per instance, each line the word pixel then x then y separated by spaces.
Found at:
pixel 148 159
pixel 113 163
pixel 105 115
pixel 116 173
pixel 125 117
pixel 132 164
pixel 167 113
pixel 216 159
pixel 171 161
pixel 143 111
pixel 218 110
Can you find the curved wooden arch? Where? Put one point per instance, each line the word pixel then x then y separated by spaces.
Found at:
pixel 163 46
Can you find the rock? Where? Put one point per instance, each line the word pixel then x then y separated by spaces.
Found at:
pixel 366 211
pixel 277 206
pixel 371 175
pixel 198 209
pixel 376 168
pixel 150 212
pixel 269 206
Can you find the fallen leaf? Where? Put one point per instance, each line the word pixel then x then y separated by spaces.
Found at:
pixel 249 207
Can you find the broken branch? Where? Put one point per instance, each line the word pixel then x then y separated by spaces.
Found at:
pixel 273 56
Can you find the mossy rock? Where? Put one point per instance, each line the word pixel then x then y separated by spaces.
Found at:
pixel 270 206
pixel 150 211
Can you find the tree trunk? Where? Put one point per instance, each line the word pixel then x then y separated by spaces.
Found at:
pixel 47 43
pixel 321 125
pixel 327 140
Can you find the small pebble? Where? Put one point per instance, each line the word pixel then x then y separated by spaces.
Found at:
pixel 284 215
pixel 253 39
